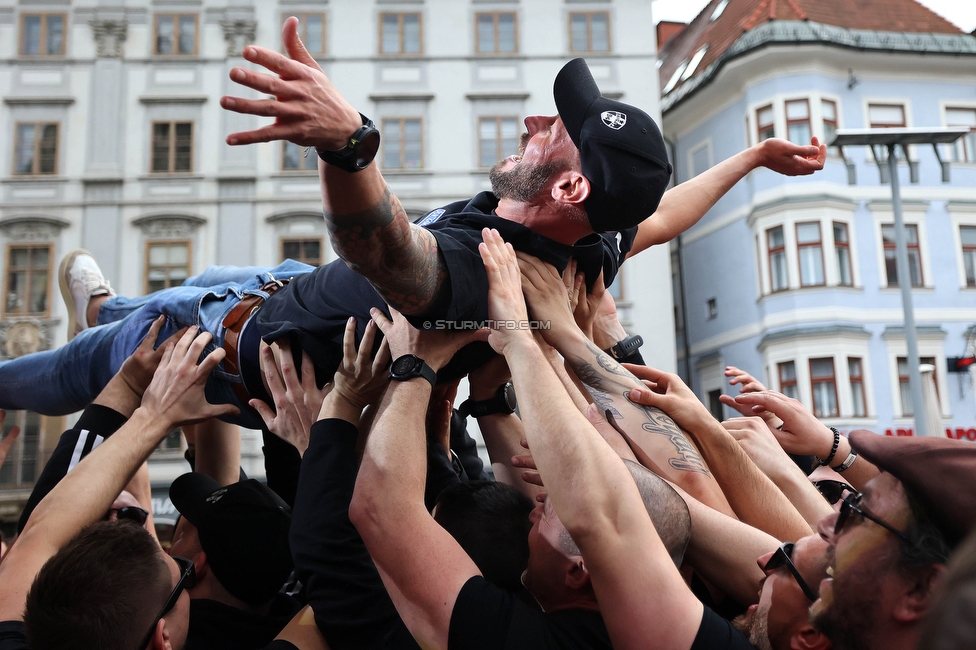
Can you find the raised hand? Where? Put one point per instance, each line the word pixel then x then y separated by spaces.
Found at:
pixel 505 302
pixel 297 402
pixel 307 108
pixel 361 377
pixel 590 306
pixel 175 394
pixel 802 433
pixel 792 159
pixel 747 384
pixel 666 391
pixel 759 443
pixel 436 348
pixel 546 295
pixel 137 370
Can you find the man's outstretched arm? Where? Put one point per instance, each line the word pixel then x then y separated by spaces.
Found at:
pixel 683 205
pixel 369 226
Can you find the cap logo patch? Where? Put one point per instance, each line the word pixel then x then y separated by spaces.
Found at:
pixel 614 119
pixel 216 496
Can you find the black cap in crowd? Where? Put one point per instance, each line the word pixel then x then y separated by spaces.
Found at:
pixel 243 530
pixel 940 472
pixel 622 151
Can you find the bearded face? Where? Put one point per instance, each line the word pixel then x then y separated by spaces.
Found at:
pixel 523 183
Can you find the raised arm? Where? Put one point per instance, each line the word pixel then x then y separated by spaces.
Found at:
pixel 753 496
pixel 670 453
pixel 174 397
pixel 803 434
pixel 756 439
pixel 422 566
pixel 369 226
pixel 641 594
pixel 684 205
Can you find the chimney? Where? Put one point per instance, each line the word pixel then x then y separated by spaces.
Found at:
pixel 666 29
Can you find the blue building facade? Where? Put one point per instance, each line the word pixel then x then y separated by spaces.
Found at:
pixel 794 279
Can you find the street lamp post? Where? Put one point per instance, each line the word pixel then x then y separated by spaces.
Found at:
pixel 890 139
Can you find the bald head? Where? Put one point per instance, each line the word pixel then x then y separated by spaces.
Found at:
pixel 668 512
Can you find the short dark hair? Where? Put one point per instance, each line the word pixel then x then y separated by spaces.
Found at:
pixel 929 544
pixel 490 521
pixel 101 590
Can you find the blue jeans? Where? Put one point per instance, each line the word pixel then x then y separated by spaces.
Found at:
pixel 65 380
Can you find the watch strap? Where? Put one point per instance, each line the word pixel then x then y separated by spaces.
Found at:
pixel 420 370
pixel 626 347
pixel 491 406
pixel 345 158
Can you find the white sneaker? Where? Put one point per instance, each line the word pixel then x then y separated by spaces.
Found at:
pixel 80 280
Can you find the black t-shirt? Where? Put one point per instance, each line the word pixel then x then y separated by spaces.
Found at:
pixel 486 617
pixel 716 633
pixel 312 310
pixel 214 625
pixel 12 635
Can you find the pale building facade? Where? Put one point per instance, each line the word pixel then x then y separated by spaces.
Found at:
pixel 114 141
pixel 794 279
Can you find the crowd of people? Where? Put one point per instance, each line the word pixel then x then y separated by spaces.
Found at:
pixel 617 511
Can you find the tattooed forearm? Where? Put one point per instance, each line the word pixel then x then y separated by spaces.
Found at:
pixel 605 374
pixel 608 383
pixel 604 403
pixel 399 259
pixel 607 362
pixel 688 460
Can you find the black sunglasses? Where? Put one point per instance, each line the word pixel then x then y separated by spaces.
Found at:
pixel 130 513
pixel 832 491
pixel 188 578
pixel 784 557
pixel 849 509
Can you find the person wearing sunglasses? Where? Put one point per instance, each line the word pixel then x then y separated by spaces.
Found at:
pixel 889 544
pixel 73 581
pixel 781 620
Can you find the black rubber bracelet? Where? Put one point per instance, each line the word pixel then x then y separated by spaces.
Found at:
pixel 833 451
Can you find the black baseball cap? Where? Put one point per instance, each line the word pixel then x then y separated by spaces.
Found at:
pixel 622 151
pixel 243 530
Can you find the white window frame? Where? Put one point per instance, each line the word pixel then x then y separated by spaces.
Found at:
pixel 914 215
pixel 929 345
pixel 948 149
pixel 960 214
pixel 778 102
pixel 838 346
pixel 906 104
pixel 711 376
pixel 824 212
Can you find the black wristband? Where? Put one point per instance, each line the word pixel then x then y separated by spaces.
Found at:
pixel 625 348
pixel 833 451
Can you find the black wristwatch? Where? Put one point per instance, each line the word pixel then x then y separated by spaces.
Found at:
pixel 358 152
pixel 503 401
pixel 626 347
pixel 409 366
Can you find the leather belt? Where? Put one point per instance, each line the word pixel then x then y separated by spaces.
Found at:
pixel 233 323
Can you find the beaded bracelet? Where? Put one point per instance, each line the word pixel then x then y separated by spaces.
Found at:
pixel 833 450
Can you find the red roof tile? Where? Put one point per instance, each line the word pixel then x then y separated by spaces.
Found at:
pixel 741 16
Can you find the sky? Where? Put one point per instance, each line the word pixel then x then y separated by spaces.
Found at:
pixel 962 13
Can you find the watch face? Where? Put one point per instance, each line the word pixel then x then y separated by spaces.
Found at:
pixel 509 396
pixel 404 365
pixel 367 148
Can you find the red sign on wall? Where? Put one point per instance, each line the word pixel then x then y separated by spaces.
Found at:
pixel 959 433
